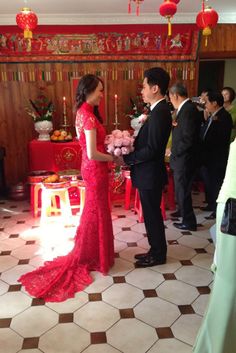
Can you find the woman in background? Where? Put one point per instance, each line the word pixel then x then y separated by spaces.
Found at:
pixel 93 250
pixel 229 95
pixel 217 332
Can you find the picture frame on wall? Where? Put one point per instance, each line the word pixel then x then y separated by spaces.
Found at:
pixel 103 103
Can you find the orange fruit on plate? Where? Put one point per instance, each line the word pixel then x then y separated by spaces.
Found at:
pixel 57 133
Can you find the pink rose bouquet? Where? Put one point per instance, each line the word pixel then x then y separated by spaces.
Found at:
pixel 119 142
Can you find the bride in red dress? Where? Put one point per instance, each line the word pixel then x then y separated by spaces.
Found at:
pixel 61 278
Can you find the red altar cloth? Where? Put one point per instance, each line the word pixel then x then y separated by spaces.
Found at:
pixel 47 155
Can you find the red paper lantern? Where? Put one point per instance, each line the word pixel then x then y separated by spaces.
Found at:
pixel 137 6
pixel 27 20
pixel 168 9
pixel 206 20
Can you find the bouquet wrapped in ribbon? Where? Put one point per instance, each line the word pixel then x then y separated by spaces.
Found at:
pixel 119 143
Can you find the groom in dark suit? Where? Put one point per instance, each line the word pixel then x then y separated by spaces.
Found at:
pixel 184 153
pixel 148 172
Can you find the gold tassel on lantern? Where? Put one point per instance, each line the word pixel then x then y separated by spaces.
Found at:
pixel 206 32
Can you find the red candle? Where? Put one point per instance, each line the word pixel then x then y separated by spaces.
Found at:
pixel 64 105
pixel 116 108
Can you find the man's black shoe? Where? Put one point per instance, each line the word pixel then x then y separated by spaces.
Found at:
pixel 175 214
pixel 150 261
pixel 207 208
pixel 211 216
pixel 141 256
pixel 183 226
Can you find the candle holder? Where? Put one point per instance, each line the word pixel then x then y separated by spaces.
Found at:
pixel 116 123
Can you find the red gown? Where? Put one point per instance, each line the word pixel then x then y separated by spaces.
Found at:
pixel 61 278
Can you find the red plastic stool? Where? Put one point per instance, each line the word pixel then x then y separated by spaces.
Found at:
pixel 35 198
pixel 138 207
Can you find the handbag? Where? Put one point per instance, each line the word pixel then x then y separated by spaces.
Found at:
pixel 228 223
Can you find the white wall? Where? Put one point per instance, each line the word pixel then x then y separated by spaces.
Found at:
pixel 230 73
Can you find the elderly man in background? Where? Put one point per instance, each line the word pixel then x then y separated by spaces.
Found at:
pixel 185 148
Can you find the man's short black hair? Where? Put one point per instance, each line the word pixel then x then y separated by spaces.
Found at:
pixel 158 76
pixel 180 89
pixel 216 97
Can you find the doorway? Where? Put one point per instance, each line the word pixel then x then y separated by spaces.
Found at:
pixel 211 75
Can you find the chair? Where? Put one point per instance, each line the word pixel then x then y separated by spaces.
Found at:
pixel 35 198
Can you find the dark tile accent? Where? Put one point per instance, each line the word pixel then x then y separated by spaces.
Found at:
pixel 14 236
pixel 200 251
pixel 186 263
pixel 121 216
pixel 23 261
pixel 204 290
pixel 126 228
pixel 169 276
pixel 98 337
pixel 119 279
pixel 6 217
pixel 117 206
pixel 64 318
pixel 2 202
pixel 20 222
pixel 4 323
pixel 127 313
pixel 13 206
pixel 30 343
pixel 1 229
pixel 186 232
pixel 200 225
pixel 25 211
pixel 4 253
pixel 172 242
pixel 145 235
pixel 186 309
pixel 37 301
pixel 14 288
pixel 150 293
pixel 130 245
pixel 117 255
pixel 210 240
pixel 164 332
pixel 30 242
pixel 33 227
pixel 94 297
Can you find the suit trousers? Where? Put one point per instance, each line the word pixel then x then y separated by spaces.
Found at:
pixel 183 180
pixel 213 177
pixel 151 201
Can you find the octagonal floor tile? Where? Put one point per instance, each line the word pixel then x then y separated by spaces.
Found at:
pixel 200 304
pixel 73 336
pixel 11 276
pixel 210 248
pixel 172 234
pixel 3 236
pixel 137 340
pixel 170 345
pixel 101 348
pixel 10 342
pixel 177 292
pixel 7 262
pixel 186 328
pixel 122 295
pixel 100 283
pixel 194 275
pixel 143 243
pixel 3 287
pixel 119 245
pixel 124 222
pixel 193 241
pixel 26 252
pixel 121 268
pixel 129 236
pixel 96 316
pixel 11 243
pixel 203 260
pixel 29 351
pixel 157 312
pixel 34 321
pixel 13 303
pixel 144 278
pixel 180 252
pixel 170 266
pixel 116 229
pixel 139 228
pixel 17 228
pixel 70 305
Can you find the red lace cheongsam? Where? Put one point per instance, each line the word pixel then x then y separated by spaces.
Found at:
pixel 61 278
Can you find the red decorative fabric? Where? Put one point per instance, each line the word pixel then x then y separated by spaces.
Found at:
pixel 61 278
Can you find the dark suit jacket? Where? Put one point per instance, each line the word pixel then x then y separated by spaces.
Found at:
pixel 185 137
pixel 147 161
pixel 215 144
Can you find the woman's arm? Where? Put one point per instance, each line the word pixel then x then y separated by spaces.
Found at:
pixel 91 145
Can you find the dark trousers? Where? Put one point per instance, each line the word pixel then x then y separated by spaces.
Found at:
pixel 213 178
pixel 183 180
pixel 151 201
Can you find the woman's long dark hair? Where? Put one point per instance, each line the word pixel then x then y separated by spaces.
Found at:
pixel 87 85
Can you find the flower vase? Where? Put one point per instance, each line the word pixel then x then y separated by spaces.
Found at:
pixel 43 128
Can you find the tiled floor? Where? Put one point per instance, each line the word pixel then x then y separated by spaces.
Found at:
pixel 154 310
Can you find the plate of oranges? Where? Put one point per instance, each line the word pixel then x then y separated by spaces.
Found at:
pixel 61 136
